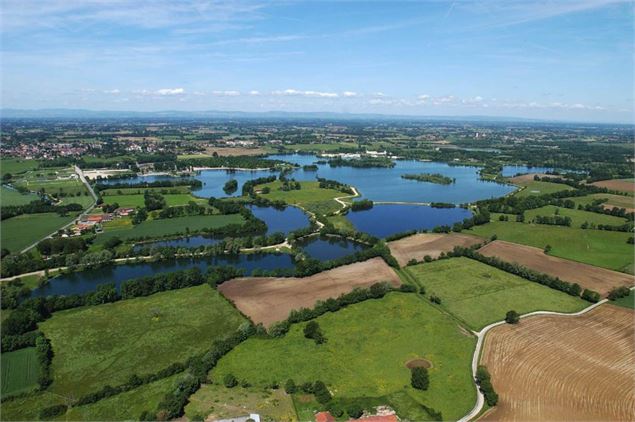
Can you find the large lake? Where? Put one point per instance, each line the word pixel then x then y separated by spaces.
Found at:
pixel 87 281
pixel 329 247
pixel 386 220
pixel 378 184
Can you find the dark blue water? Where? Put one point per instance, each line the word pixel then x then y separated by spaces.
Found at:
pixel 87 281
pixel 386 184
pixel 511 171
pixel 378 184
pixel 385 220
pixel 327 248
pixel 281 221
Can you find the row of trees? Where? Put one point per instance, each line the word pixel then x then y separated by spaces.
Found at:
pixel 38 207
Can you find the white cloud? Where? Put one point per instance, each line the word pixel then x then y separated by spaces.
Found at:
pixel 112 91
pixel 349 94
pixel 170 91
pixel 295 92
pixel 226 93
pixel 254 92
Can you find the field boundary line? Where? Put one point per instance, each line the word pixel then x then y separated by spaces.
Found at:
pixel 480 335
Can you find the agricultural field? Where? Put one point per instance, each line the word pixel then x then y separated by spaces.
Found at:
pixel 622 185
pixel 268 299
pixel 320 147
pixel 20 371
pixel 28 407
pixel 310 197
pixel 15 166
pixel 105 344
pixel 552 367
pixel 21 231
pixel 540 188
pixel 614 201
pixel 140 191
pixel 10 196
pixel 134 201
pixel 365 355
pixel 487 293
pixel 599 279
pixel 127 406
pixel 432 244
pixel 595 247
pixel 215 401
pixel 124 229
pixel 578 217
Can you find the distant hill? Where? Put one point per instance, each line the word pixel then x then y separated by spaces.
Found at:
pixel 63 113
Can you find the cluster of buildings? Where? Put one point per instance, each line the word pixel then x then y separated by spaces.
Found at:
pixel 45 150
pixel 95 221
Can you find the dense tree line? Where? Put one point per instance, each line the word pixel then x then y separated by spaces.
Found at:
pixel 38 207
pixel 61 245
pixel 553 220
pixel 153 200
pixel 484 382
pixel 334 184
pixel 238 162
pixel 364 162
pixel 249 185
pixel 182 181
pixel 364 204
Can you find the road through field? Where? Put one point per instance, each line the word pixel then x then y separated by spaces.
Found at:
pixel 480 400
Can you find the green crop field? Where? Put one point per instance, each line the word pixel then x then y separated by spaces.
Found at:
pixel 54 186
pixel 311 197
pixel 133 201
pixel 578 217
pixel 226 403
pixel 165 227
pixel 105 344
pixel 19 371
pixel 17 165
pixel 619 201
pixel 479 294
pixel 596 247
pixel 367 348
pixel 341 222
pixel 541 188
pixel 127 406
pixel 13 197
pixel 23 230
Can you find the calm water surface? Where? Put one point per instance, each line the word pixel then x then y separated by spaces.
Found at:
pixel 87 281
pixel 386 220
pixel 327 248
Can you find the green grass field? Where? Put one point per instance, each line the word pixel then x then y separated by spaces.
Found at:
pixel 133 201
pixel 626 302
pixel 596 247
pixel 13 197
pixel 341 222
pixel 320 147
pixel 367 348
pixel 157 228
pixel 19 371
pixel 17 165
pixel 105 344
pixel 578 217
pixel 310 197
pixel 619 201
pixel 541 188
pixel 127 406
pixel 19 232
pixel 225 403
pixel 479 294
pixel 28 408
pixel 53 187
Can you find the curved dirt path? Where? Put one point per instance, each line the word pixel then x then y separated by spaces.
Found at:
pixel 344 204
pixel 480 399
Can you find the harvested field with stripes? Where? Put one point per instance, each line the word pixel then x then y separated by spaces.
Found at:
pixel 419 245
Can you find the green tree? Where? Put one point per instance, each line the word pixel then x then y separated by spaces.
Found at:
pixel 290 386
pixel 230 381
pixel 512 317
pixel 322 394
pixel 419 378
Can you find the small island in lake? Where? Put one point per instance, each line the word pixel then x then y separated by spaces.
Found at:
pixel 430 177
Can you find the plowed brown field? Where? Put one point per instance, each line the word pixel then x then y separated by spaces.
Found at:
pixel 599 279
pixel 564 368
pixel 270 299
pixel 419 245
pixel 617 184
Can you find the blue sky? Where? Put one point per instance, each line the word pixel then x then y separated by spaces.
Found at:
pixel 558 59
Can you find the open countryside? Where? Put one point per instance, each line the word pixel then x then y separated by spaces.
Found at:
pixel 368 211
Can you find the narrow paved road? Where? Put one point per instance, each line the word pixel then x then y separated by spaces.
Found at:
pixel 80 174
pixel 480 399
